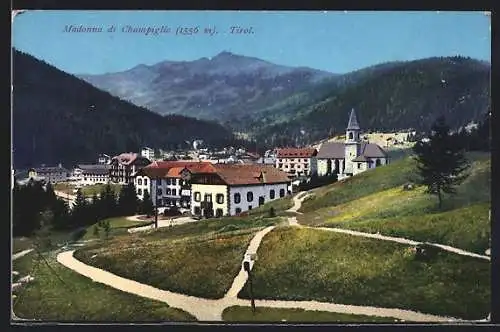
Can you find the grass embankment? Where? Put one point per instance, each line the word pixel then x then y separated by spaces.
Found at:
pixel 74 297
pixel 462 222
pixel 366 183
pixel 245 314
pixel 308 264
pixel 88 191
pixel 200 258
pixel 280 206
pixel 203 265
pixel 118 226
pixel 21 243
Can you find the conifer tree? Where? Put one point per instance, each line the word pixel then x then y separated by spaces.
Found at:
pixel 441 163
pixel 147 207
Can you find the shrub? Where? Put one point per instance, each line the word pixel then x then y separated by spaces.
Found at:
pixel 272 212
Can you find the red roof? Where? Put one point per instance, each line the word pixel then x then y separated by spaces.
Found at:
pixel 296 153
pixel 164 169
pixel 241 174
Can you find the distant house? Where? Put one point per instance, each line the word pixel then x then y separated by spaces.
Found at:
pixel 230 189
pixel 104 159
pixel 85 174
pixel 297 161
pixel 124 166
pixel 49 174
pixel 148 153
pixel 352 156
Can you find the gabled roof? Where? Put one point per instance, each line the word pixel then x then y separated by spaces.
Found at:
pixel 94 169
pixel 296 152
pixel 333 150
pixel 353 121
pixel 372 150
pixel 55 169
pixel 126 158
pixel 238 174
pixel 164 169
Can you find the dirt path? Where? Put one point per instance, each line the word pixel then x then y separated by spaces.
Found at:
pixel 293 222
pixel 21 254
pixel 242 276
pixel 211 310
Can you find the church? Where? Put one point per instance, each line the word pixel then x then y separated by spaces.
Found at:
pixel 351 157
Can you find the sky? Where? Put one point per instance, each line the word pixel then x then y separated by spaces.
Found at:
pixel 334 41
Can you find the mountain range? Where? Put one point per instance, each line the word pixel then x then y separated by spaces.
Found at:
pixel 58 118
pixel 226 86
pixel 267 100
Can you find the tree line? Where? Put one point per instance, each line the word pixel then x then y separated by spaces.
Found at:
pixel 36 207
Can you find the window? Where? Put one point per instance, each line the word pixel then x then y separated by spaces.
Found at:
pixel 145 182
pixel 159 192
pixel 272 194
pixel 219 198
pixel 292 165
pixel 249 196
pixel 174 192
pixel 218 213
pixel 168 181
pixel 145 191
pixel 306 166
pixel 350 135
pixel 237 198
pixel 197 210
pixel 305 160
pixel 280 165
pixel 282 192
pixel 359 165
pixel 377 162
pixel 249 207
pixel 208 198
pixel 238 210
pixel 169 192
pixel 139 182
pixel 197 197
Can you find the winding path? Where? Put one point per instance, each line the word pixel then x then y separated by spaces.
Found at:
pixel 211 310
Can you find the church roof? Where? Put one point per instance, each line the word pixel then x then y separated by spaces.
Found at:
pixel 332 150
pixel 353 121
pixel 335 150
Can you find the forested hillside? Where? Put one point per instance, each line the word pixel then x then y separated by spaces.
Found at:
pixel 60 118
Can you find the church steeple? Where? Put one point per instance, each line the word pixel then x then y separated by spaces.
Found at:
pixel 352 131
pixel 353 121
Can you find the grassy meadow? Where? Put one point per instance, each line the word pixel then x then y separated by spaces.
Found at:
pixel 203 265
pixel 59 294
pixel 307 264
pixel 279 315
pixel 380 204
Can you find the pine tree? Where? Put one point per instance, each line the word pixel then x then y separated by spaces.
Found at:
pixel 147 207
pixel 61 215
pixel 441 163
pixel 127 201
pixel 79 213
pixel 108 204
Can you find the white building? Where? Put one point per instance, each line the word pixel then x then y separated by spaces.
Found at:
pixel 351 157
pixel 104 159
pixel 148 153
pixel 50 174
pixel 230 189
pixel 164 182
pixel 85 175
pixel 297 161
